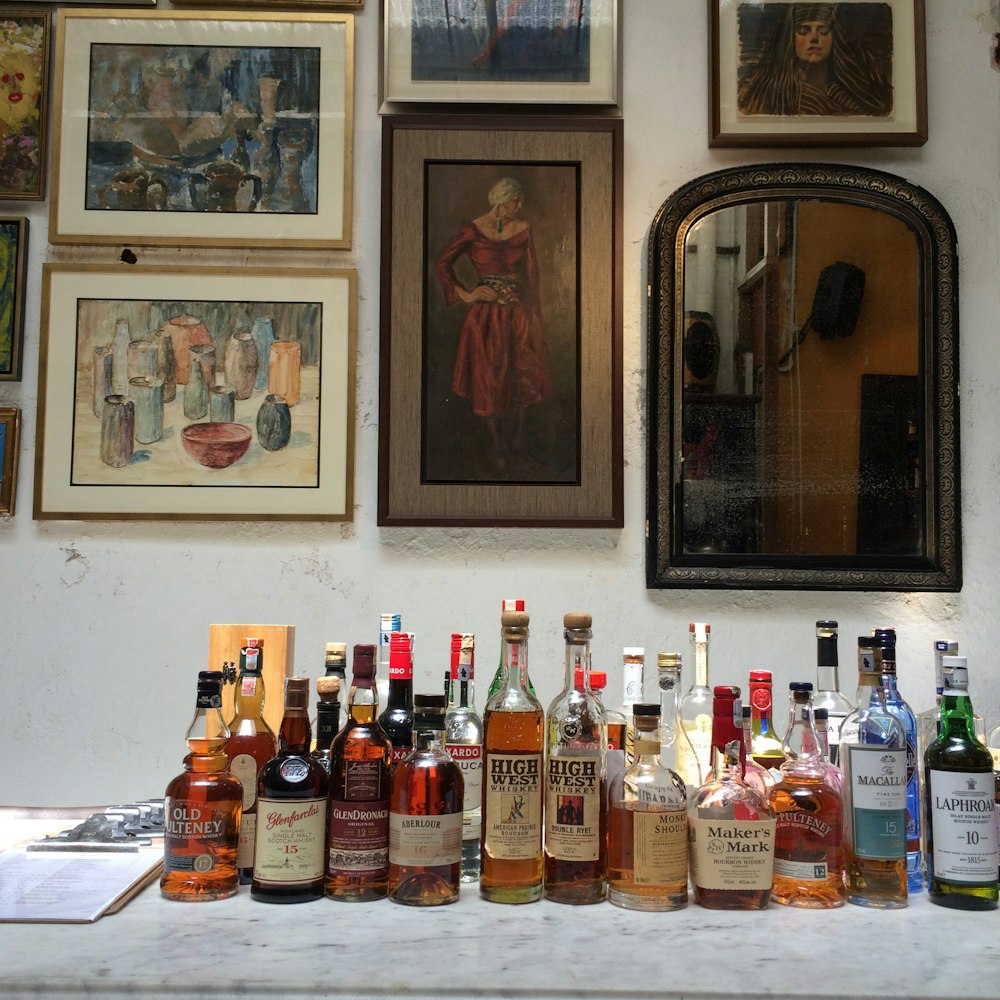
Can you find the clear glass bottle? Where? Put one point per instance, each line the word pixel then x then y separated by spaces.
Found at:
pixel 668 678
pixel 647 826
pixel 397 719
pixel 633 678
pixel 962 862
pixel 693 757
pixel 388 622
pixel 828 694
pixel 575 847
pixel 765 745
pixel 754 775
pixel 873 758
pixel 507 604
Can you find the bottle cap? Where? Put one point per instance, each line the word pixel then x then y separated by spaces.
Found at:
pixel 668 659
pixel 577 619
pixel 598 679
pixel 296 693
pixel 363 666
pixel 400 642
pixel 209 689
pixel 885 637
pixel 634 651
pixel 646 709
pixel 826 629
pixel 703 627
pixel 954 661
pixel 337 650
pixel 760 676
pixel 800 686
pixel 819 714
pixel 429 711
pixel 511 604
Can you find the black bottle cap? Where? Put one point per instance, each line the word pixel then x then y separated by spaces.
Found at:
pixel 429 711
pixel 646 709
pixel 800 686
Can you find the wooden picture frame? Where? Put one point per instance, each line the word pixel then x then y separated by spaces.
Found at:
pixel 13 276
pixel 203 128
pixel 850 73
pixel 523 52
pixel 24 90
pixel 308 4
pixel 532 437
pixel 132 358
pixel 10 445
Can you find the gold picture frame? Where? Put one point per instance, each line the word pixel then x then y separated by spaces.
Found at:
pixel 13 278
pixel 10 446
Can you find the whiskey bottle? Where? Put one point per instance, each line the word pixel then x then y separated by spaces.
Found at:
pixel 329 688
pixel 693 757
pixel 397 719
pixel 202 808
pixel 507 604
pixel 961 826
pixel 873 758
pixel 464 741
pixel 766 746
pixel 251 745
pixel 647 826
pixel 809 851
pixel 425 814
pixel 575 773
pixel 288 863
pixel 357 864
pixel 513 749
pixel 828 694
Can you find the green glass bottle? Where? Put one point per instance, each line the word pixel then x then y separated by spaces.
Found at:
pixel 961 828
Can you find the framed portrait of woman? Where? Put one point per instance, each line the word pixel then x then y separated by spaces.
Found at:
pixel 787 73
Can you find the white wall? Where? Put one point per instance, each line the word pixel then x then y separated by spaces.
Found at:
pixel 102 626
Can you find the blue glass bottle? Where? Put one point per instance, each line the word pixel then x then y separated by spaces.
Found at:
pixel 885 643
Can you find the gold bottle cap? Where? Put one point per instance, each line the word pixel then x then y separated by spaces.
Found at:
pixel 668 659
pixel 577 619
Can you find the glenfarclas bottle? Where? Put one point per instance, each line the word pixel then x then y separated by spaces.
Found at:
pixel 397 719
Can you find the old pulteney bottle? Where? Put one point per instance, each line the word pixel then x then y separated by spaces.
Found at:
pixel 513 748
pixel 694 755
pixel 961 827
pixel 289 860
pixel 397 719
pixel 202 808
pixel 828 694
pixel 357 864
pixel 425 814
pixel 575 773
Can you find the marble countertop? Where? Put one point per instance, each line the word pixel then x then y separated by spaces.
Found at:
pixel 158 949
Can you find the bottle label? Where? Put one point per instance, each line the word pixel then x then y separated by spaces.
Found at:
pixel 963 826
pixel 660 847
pixel 732 854
pixel 248 838
pixel 363 780
pixel 189 821
pixel 513 801
pixel 805 842
pixel 878 801
pixel 425 841
pixel 693 755
pixel 632 678
pixel 573 807
pixel 801 871
pixel 244 768
pixel 358 837
pixel 399 753
pixel 248 686
pixel 469 758
pixel 290 841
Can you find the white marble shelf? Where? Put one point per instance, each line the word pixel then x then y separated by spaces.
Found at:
pixel 237 948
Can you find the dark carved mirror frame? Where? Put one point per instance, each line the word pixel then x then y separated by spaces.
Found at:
pixel 938 566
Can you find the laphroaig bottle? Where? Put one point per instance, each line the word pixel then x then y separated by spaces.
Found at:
pixel 397 719
pixel 828 694
pixel 765 745
pixel 693 757
pixel 575 772
pixel 873 758
pixel 289 859
pixel 513 786
pixel 647 826
pixel 464 741
pixel 962 835
pixel 202 808
pixel 507 604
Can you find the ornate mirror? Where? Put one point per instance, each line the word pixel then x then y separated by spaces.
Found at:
pixel 803 383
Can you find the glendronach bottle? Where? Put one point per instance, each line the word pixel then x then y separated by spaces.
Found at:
pixel 250 746
pixel 425 814
pixel 765 745
pixel 507 604
pixel 329 689
pixel 647 826
pixel 828 694
pixel 513 789
pixel 961 826
pixel 693 757
pixel 357 864
pixel 288 862
pixel 397 719
pixel 202 808
pixel 575 774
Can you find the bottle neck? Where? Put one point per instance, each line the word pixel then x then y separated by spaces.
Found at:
pixel 870 690
pixel 249 699
pixel 957 716
pixel 670 682
pixel 462 693
pixel 429 739
pixel 760 708
pixel 400 694
pixel 362 704
pixel 515 664
pixel 577 658
pixel 701 663
pixel 295 735
pixel 827 663
pixel 802 740
pixel 828 677
pixel 327 723
pixel 647 746
pixel 632 670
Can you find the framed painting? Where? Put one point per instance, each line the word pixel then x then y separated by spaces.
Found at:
pixel 195 393
pixel 200 128
pixel 500 362
pixel 501 51
pixel 13 249
pixel 330 4
pixel 850 73
pixel 24 85
pixel 10 439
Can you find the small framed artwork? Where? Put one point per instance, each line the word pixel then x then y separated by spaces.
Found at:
pixel 851 73
pixel 501 52
pixel 24 85
pixel 13 249
pixel 500 360
pixel 199 128
pixel 329 4
pixel 10 439
pixel 195 393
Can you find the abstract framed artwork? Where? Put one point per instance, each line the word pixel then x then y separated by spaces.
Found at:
pixel 786 73
pixel 24 85
pixel 501 52
pixel 13 249
pixel 203 128
pixel 195 393
pixel 10 439
pixel 500 360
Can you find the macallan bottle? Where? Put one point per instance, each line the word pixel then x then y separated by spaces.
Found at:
pixel 288 863
pixel 251 745
pixel 513 788
pixel 694 756
pixel 425 814
pixel 357 864
pixel 764 742
pixel 397 719
pixel 828 694
pixel 507 604
pixel 647 826
pixel 575 774
pixel 202 808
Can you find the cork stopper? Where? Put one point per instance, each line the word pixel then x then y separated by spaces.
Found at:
pixel 296 693
pixel 577 619
pixel 515 620
pixel 328 688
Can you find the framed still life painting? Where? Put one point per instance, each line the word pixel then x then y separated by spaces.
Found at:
pixel 500 358
pixel 13 273
pixel 195 393
pixel 203 128
pixel 786 73
pixel 10 437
